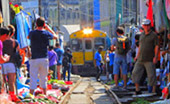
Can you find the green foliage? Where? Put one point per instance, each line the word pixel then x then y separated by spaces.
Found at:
pixel 140 101
pixel 110 82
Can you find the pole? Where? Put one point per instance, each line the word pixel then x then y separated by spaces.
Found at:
pixel 39 1
pixel 58 3
pixel 137 11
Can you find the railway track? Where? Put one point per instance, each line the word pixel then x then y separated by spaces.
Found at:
pixel 88 91
pixel 127 97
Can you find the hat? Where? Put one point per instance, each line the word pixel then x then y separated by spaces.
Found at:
pixel 68 49
pixel 146 22
pixel 100 47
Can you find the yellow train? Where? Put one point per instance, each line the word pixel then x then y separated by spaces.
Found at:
pixel 84 44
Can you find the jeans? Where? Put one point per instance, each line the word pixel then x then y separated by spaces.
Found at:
pixel 99 71
pixel 68 69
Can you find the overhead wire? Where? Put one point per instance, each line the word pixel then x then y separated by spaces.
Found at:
pixel 87 14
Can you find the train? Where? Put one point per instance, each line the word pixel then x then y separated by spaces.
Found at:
pixel 84 44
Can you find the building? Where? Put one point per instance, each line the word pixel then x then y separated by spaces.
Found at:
pixel 86 13
pixel 68 12
pixel 106 15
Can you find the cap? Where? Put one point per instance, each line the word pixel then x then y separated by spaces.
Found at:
pixel 68 49
pixel 146 22
pixel 100 47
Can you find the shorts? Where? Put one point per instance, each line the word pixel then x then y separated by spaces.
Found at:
pixel 139 70
pixel 8 68
pixel 120 62
pixel 38 66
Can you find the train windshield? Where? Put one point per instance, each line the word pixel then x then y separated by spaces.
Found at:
pixel 99 42
pixel 88 44
pixel 76 45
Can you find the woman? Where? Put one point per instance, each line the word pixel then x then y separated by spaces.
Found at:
pixel 10 46
pixel 4 32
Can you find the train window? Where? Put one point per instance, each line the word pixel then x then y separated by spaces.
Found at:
pixel 88 44
pixel 99 42
pixel 76 44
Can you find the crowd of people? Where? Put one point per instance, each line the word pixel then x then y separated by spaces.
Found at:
pixel 145 59
pixel 43 58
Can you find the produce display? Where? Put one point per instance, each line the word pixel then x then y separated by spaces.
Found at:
pixel 56 89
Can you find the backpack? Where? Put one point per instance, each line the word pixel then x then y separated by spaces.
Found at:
pixel 17 58
pixel 122 45
pixel 65 61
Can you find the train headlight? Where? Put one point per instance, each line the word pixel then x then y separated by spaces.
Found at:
pixel 87 31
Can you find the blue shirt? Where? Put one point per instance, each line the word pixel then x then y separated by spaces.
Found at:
pixel 60 53
pixel 111 57
pixel 98 58
pixel 39 42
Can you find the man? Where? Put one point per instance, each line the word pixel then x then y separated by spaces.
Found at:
pixel 4 32
pixel 98 62
pixel 67 63
pixel 39 61
pixel 120 56
pixel 59 61
pixel 146 57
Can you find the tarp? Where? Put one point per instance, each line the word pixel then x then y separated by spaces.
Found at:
pixel 150 13
pixel 167 5
pixel 96 16
pixel 165 14
pixel 160 22
pixel 69 29
pixel 23 29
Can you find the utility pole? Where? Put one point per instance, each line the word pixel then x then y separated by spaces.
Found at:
pixel 58 3
pixel 137 9
pixel 39 7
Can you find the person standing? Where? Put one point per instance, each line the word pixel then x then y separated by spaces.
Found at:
pixel 52 57
pixel 121 45
pixel 146 57
pixel 111 57
pixel 98 62
pixel 4 32
pixel 60 53
pixel 67 63
pixel 39 63
pixel 11 46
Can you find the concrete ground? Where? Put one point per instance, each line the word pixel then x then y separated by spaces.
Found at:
pixel 89 91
